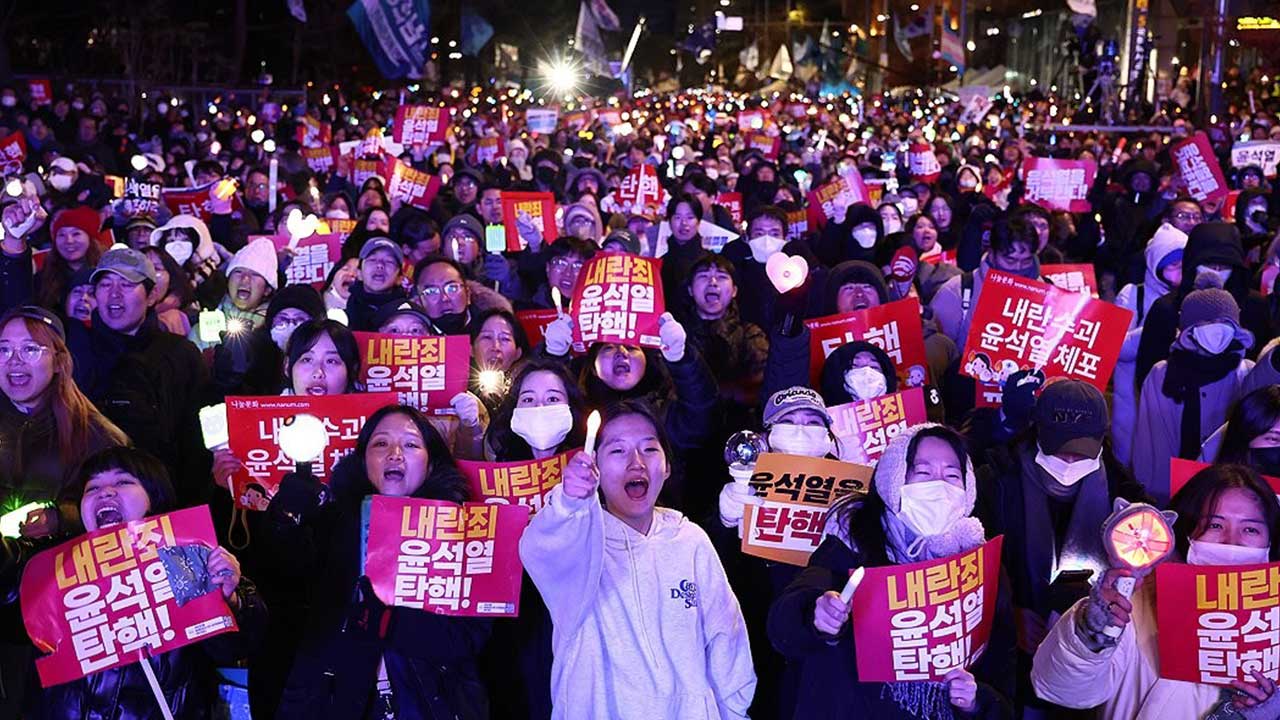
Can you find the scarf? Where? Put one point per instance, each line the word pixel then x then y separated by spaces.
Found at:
pixel 1082 542
pixel 1186 373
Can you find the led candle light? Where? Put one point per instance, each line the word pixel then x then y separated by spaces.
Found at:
pixel 593 427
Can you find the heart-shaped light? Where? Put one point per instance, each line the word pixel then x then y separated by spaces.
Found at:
pixel 300 227
pixel 786 272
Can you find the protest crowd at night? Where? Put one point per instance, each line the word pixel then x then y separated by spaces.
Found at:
pixel 396 400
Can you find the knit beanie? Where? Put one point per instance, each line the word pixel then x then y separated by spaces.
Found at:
pixel 1208 305
pixel 83 218
pixel 298 297
pixel 258 256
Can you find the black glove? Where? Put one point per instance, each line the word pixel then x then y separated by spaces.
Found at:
pixel 299 495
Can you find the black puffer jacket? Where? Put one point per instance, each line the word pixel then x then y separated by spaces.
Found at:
pixel 363 306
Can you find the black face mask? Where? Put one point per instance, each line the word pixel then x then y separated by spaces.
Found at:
pixel 545 175
pixel 1266 460
pixel 452 323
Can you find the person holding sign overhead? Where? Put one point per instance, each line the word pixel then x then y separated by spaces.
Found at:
pixel 646 625
pixel 1226 516
pixel 921 509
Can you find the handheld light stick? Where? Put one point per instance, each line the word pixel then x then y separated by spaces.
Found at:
pixel 555 300
pixel 741 452
pixel 1137 536
pixel 302 438
pixel 851 586
pixel 593 428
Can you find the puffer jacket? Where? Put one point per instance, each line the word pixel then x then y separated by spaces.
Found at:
pixel 363 306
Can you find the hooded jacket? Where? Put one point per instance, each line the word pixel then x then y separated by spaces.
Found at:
pixel 363 306
pixel 837 243
pixel 840 360
pixel 948 305
pixel 1139 299
pixel 646 626
pixel 1208 243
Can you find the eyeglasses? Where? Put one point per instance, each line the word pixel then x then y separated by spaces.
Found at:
pixel 563 263
pixel 1194 217
pixel 28 352
pixel 430 292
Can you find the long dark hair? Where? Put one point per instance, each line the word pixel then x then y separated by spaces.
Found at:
pixel 654 382
pixel 1252 417
pixel 306 335
pixel 179 281
pixel 505 443
pixel 443 482
pixel 144 466
pixel 863 515
pixel 1198 498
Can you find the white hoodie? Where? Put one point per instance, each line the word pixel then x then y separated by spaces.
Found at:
pixel 646 626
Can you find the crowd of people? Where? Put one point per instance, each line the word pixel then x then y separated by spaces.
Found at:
pixel 105 364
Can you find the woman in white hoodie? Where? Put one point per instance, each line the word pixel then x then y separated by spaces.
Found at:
pixel 1164 272
pixel 1226 516
pixel 645 623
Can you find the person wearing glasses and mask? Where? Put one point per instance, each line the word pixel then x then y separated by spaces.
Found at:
pixel 450 300
pixel 378 284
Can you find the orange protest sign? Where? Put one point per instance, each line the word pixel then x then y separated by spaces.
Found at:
pixel 1180 471
pixel 798 491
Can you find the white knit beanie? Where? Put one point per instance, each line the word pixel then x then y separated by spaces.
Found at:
pixel 258 256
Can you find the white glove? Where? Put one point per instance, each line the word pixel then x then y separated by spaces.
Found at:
pixel 559 335
pixel 672 335
pixel 467 406
pixel 528 231
pixel 734 499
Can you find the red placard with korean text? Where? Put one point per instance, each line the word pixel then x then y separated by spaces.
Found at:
pixel 313 258
pixel 864 428
pixel 420 125
pixel 541 207
pixel 798 491
pixel 922 620
pixel 13 152
pixel 1020 324
pixel 534 323
pixel 1218 623
pixel 1073 277
pixel 830 202
pixel 751 120
pixel 445 558
pixel 524 482
pixel 797 224
pixel 1059 184
pixel 426 372
pixel 105 599
pixel 362 170
pixel 768 145
pixel 320 159
pixel 409 186
pixel 490 150
pixel 253 431
pixel 195 202
pixel 312 133
pixel 893 327
pixel 41 91
pixel 923 163
pixel 640 187
pixel 617 299
pixel 732 201
pixel 1198 168
pixel 1180 471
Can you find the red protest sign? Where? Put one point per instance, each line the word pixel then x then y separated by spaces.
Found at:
pixel 1199 169
pixel 445 558
pixel 253 434
pixel 535 323
pixel 923 163
pixel 576 120
pixel 1180 471
pixel 524 482
pixel 320 159
pixel 312 133
pixel 409 186
pixel 922 620
pixel 313 258
pixel 1059 184
pixel 797 224
pixel 1073 277
pixel 541 207
pixel 490 150
pixel 617 299
pixel 41 91
pixel 189 201
pixel 893 327
pixel 426 372
pixel 13 152
pixel 751 120
pixel 362 170
pixel 864 428
pixel 107 598
pixel 766 144
pixel 798 491
pixel 1020 324
pixel 731 201
pixel 640 187
pixel 420 125
pixel 609 117
pixel 1218 623
pixel 830 202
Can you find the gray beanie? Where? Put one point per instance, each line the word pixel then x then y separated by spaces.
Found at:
pixel 1206 306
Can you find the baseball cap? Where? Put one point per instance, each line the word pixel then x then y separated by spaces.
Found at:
pixel 391 310
pixel 1071 416
pixel 794 398
pixel 624 237
pixel 465 221
pixel 382 243
pixel 127 263
pixel 39 314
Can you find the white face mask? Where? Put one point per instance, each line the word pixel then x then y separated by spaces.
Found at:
pixel 180 250
pixel 1211 553
pixel 544 428
pixel 1067 473
pixel 1211 278
pixel 865 237
pixel 764 247
pixel 281 333
pixel 337 214
pixel 1213 337
pixel 61 182
pixel 8 101
pixel 891 225
pixel 909 206
pixel 865 382
pixel 807 440
pixel 931 507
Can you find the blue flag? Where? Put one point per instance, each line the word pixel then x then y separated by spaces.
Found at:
pixel 395 33
pixel 476 32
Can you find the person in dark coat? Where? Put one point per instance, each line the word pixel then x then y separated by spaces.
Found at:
pixel 379 283
pixel 1214 257
pixel 360 658
pixel 766 234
